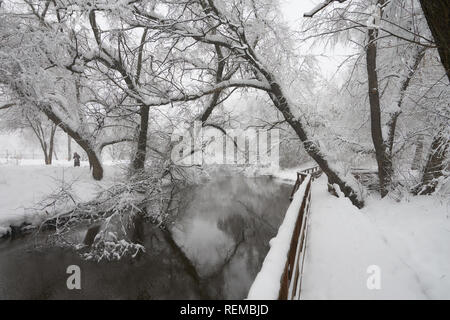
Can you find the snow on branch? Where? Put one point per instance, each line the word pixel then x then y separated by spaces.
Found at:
pixel 256 84
pixel 182 29
pixel 112 141
pixel 319 7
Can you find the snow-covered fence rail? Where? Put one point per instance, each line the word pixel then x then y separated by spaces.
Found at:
pixel 313 171
pixel 280 275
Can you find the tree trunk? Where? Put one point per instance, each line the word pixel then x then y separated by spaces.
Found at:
pixel 381 151
pixel 51 145
pixel 315 153
pixel 418 153
pixel 435 165
pixel 50 156
pixel 392 123
pixel 69 148
pixel 141 152
pixel 44 149
pixel 216 95
pixel 84 143
pixel 95 165
pixel 437 13
pixel 281 103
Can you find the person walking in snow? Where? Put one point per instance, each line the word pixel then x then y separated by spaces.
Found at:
pixel 76 160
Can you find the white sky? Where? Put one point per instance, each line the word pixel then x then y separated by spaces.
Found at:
pixel 293 11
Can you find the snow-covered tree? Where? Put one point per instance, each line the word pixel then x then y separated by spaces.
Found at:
pixel 393 39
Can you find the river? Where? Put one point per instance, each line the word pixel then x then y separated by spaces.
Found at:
pixel 221 236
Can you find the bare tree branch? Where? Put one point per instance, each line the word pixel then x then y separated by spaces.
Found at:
pixel 7 105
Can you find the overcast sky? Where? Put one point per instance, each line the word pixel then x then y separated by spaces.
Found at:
pixel 293 10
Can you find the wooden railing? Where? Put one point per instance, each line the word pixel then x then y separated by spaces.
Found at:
pixel 291 279
pixel 313 171
pixel 292 275
pixel 283 280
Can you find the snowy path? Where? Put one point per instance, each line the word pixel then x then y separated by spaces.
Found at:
pixel 408 241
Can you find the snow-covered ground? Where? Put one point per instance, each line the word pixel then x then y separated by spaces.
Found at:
pixel 407 242
pixel 24 185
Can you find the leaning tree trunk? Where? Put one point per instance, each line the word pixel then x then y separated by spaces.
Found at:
pixel 280 101
pixel 314 152
pixel 84 143
pixel 141 152
pixel 436 164
pixel 437 13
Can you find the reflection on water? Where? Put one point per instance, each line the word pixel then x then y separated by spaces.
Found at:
pixel 220 239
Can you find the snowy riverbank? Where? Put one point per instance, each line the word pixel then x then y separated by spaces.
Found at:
pixel 23 186
pixel 25 182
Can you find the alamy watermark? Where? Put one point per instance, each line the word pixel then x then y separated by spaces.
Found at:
pixel 74 280
pixel 374 279
pixel 208 145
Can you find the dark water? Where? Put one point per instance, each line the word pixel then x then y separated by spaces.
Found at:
pixel 221 238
